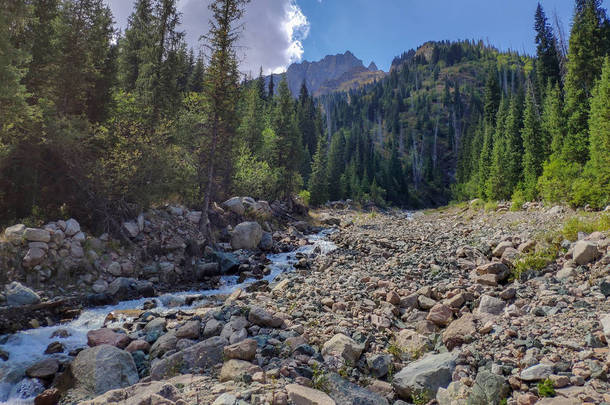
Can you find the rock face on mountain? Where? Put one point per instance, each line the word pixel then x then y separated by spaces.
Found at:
pixel 333 73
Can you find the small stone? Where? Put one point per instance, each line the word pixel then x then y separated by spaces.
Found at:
pixel 44 369
pixel 54 347
pixel 343 346
pixel 440 314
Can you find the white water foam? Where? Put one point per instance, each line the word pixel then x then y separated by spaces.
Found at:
pixel 27 347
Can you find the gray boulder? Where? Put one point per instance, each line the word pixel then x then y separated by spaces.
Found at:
pixel 488 389
pixel 17 294
pixel 585 252
pixel 345 392
pixel 246 235
pixel 37 235
pixel 104 368
pixel 425 376
pixel 72 227
pixel 343 346
pixel 196 358
pixel 234 205
pixel 14 234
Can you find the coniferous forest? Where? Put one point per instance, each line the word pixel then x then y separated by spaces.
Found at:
pixel 99 124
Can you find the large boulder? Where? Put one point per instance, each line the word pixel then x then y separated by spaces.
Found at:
pixel 198 357
pixel 14 234
pixel 37 235
pixel 44 369
pixel 345 392
pixel 72 227
pixel 244 350
pixel 489 306
pixel 159 393
pixel 343 346
pixel 459 331
pixel 234 205
pixel 34 256
pixel 246 235
pixel 103 368
pixel 425 376
pixel 585 252
pixel 17 294
pixel 488 389
pixel 235 370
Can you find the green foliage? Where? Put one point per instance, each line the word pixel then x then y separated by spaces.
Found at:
pixel 491 206
pixel 546 388
pixel 305 197
pixel 319 378
pixel 420 398
pixel 533 147
pixel 536 260
pixel 518 199
pixel 318 182
pixel 586 224
pixel 254 177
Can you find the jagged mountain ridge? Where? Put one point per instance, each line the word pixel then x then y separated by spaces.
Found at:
pixel 333 73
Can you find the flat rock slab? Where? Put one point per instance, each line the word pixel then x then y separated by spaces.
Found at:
pixel 345 392
pixel 301 395
pixel 425 376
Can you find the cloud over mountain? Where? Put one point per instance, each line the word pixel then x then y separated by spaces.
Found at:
pixel 273 31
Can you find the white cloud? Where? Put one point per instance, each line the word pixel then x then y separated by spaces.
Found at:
pixel 273 34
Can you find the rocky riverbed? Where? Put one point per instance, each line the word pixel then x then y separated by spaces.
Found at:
pixel 458 306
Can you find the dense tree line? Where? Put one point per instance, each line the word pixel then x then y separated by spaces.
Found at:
pixel 100 124
pixel 549 139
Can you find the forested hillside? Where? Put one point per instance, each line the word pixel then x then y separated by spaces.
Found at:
pixel 99 124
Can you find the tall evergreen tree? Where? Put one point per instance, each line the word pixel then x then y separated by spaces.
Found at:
pixel 547 62
pixel 289 139
pixel 318 182
pixel 135 46
pixel 588 45
pixel 594 186
pixel 336 167
pixel 513 168
pixel 533 146
pixel 221 89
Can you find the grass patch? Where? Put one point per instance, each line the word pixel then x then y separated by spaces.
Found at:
pixel 319 378
pixel 546 388
pixel 491 206
pixel 477 204
pixel 586 224
pixel 536 260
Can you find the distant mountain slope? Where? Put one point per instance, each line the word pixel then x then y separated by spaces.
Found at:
pixel 339 72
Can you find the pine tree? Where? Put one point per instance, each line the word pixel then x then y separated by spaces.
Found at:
pixel 553 122
pixel 271 90
pixel 588 46
pixel 533 146
pixel 496 186
pixel 39 78
pixel 336 166
pixel 318 182
pixel 594 186
pixel 221 89
pixel 547 63
pixel 289 139
pixel 513 168
pixel 14 110
pixel 252 123
pixel 136 45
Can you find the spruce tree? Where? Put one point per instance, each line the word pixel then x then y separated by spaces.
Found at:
pixel 318 182
pixel 496 186
pixel 289 139
pixel 594 186
pixel 553 122
pixel 533 146
pixel 547 63
pixel 588 46
pixel 336 166
pixel 136 45
pixel 513 168
pixel 221 89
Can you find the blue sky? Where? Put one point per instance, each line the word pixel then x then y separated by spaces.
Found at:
pixel 280 32
pixel 381 29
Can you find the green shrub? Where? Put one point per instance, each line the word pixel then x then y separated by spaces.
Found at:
pixel 518 199
pixel 305 197
pixel 536 260
pixel 491 206
pixel 546 388
pixel 586 224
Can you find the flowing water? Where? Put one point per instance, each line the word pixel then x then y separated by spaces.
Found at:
pixel 27 347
